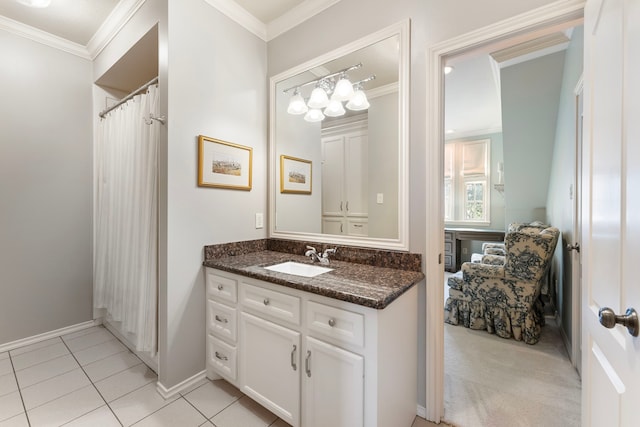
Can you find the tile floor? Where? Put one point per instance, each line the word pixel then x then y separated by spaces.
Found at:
pixel 89 378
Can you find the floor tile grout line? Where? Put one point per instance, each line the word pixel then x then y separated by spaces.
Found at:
pixel 35 349
pixel 106 357
pixel 15 376
pixel 157 410
pixel 94 386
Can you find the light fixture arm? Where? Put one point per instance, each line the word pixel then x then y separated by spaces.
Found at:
pixel 325 77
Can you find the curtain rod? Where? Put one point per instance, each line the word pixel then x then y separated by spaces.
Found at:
pixel 128 97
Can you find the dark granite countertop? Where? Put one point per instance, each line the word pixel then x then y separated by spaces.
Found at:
pixel 361 284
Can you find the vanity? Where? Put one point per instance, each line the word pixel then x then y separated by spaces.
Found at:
pixel 335 349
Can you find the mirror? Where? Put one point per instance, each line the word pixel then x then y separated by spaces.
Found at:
pixel 342 178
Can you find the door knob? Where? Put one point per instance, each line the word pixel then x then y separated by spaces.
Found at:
pixel 609 319
pixel 574 247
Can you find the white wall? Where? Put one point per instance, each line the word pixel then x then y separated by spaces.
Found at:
pixel 530 96
pixel 217 87
pixel 301 139
pixel 559 202
pixel 45 189
pixel 432 21
pixel 383 166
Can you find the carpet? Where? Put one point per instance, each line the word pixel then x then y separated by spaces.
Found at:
pixel 495 382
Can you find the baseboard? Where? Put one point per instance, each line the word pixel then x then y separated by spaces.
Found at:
pixel 48 335
pixel 180 387
pixel 421 412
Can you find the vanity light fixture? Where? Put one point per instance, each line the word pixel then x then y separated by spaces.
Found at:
pixel 35 3
pixel 329 93
pixel 318 98
pixel 297 105
pixel 314 115
pixel 344 89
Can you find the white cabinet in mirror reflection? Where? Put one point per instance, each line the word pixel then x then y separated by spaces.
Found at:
pixel 345 178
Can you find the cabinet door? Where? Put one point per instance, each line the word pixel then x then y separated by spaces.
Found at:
pixel 332 176
pixel 333 225
pixel 270 360
pixel 333 386
pixel 356 174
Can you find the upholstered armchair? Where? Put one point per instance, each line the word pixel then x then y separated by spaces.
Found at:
pixel 504 297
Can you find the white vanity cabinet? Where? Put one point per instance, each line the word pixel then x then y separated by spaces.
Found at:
pixel 316 361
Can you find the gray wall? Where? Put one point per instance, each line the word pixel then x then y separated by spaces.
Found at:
pixel 45 189
pixel 530 96
pixel 432 21
pixel 559 202
pixel 216 87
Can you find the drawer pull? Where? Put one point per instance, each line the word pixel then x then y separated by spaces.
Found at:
pixel 221 357
pixel 220 287
pixel 307 364
pixel 222 319
pixel 266 301
pixel 332 322
pixel 293 360
pixel 357 225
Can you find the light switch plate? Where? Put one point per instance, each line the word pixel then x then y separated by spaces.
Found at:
pixel 380 198
pixel 259 220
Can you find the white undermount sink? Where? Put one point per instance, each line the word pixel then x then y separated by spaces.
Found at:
pixel 299 269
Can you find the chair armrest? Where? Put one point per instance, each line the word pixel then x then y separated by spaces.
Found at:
pixel 493 259
pixel 471 270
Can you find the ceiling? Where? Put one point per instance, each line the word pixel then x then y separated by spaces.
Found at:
pixel 79 22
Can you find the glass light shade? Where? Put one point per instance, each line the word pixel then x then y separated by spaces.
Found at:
pixel 318 98
pixel 358 101
pixel 343 90
pixel 334 109
pixel 297 105
pixel 314 115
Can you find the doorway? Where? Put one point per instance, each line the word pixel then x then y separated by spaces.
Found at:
pixel 510 31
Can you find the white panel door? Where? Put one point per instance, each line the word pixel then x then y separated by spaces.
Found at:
pixel 332 176
pixel 333 386
pixel 269 363
pixel 356 174
pixel 611 211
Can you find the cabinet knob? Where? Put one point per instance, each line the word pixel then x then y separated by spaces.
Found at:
pixel 220 287
pixel 266 301
pixel 332 322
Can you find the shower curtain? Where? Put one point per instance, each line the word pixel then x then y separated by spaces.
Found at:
pixel 126 220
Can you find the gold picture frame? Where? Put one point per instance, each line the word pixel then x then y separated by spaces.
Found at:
pixel 222 164
pixel 295 175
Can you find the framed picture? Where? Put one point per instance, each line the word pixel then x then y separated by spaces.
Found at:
pixel 295 175
pixel 223 164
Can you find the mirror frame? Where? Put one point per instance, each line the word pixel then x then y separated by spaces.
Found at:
pixel 402 30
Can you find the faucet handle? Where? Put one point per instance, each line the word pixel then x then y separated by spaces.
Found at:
pixel 328 252
pixel 311 248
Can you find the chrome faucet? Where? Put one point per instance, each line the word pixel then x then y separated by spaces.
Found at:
pixel 322 259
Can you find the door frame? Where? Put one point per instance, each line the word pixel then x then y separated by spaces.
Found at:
pixel 556 13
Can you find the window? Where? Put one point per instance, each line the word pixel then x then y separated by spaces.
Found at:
pixel 466 182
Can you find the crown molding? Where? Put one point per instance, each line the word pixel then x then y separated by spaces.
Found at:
pixel 119 16
pixel 238 14
pixel 43 37
pixel 297 16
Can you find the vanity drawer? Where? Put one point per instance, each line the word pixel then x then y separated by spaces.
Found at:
pixel 274 304
pixel 340 325
pixel 221 288
pixel 222 357
pixel 222 320
pixel 358 227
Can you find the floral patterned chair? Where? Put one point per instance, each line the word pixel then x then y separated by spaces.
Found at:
pixel 503 296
